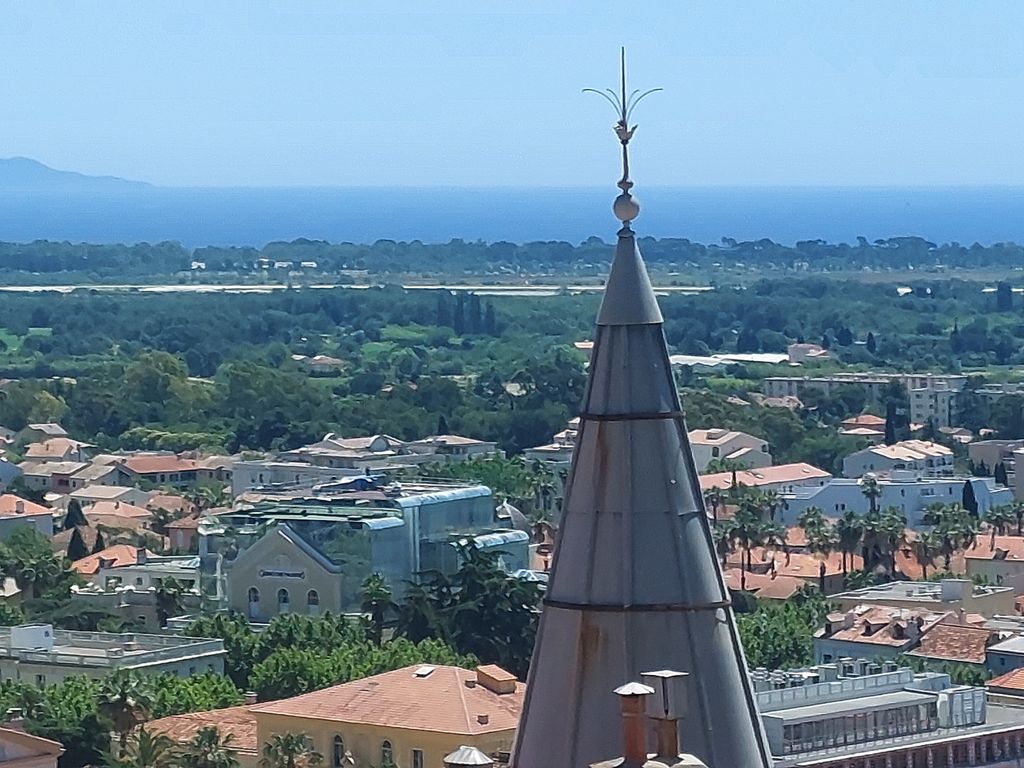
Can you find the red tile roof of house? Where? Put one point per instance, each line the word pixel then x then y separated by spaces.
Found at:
pixel 753 478
pixel 1012 680
pixel 149 465
pixel 118 555
pixel 763 585
pixel 118 508
pixel 887 625
pixel 948 641
pixel 446 700
pixel 9 506
pixel 238 722
pixel 185 523
pixel 55 447
pixel 170 502
pixel 997 548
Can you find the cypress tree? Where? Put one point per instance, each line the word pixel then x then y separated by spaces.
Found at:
pixel 74 517
pixel 490 321
pixel 969 501
pixel 100 544
pixel 76 546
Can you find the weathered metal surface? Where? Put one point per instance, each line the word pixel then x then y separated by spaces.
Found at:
pixel 636 584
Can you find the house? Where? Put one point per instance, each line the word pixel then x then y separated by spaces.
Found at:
pixel 90 494
pixel 323 365
pixel 100 473
pixel 162 469
pixel 998 559
pixel 237 724
pixel 800 353
pixel 866 426
pixel 22 750
pixel 58 449
pixel 40 654
pixel 170 502
pixel 52 475
pixel 1005 655
pixel 927 458
pixel 946 595
pixel 764 586
pixel 412 716
pixel 105 507
pixel 453 447
pixel 184 534
pixel 128 584
pixel 872 632
pixel 1007 688
pixel 984 455
pixel 808 568
pixel 16 512
pixel 9 472
pixel 783 478
pixel 906 490
pixel 738 448
pixel 34 433
pixel 950 642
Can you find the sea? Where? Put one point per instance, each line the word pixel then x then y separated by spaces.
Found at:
pixel 255 216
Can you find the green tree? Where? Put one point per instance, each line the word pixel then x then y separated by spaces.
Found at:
pixel 208 749
pixel 125 700
pixel 872 491
pixel 169 599
pixel 376 601
pixel 76 546
pixel 850 535
pixel 145 750
pixel 969 501
pixel 74 517
pixel 290 750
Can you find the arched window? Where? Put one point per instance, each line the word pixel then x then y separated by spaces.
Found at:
pixel 283 601
pixel 338 756
pixel 387 754
pixel 313 603
pixel 254 603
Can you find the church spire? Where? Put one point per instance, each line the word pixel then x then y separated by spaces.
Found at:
pixel 636 583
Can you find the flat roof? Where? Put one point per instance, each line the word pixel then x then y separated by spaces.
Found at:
pixel 852 706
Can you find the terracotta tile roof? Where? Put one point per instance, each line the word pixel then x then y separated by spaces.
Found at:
pixel 763 585
pixel 170 502
pixel 119 555
pixel 802 565
pixel 118 508
pixel 883 625
pixel 949 641
pixel 185 523
pixel 1012 680
pixel 753 478
pixel 997 548
pixel 865 420
pixel 239 722
pixel 148 465
pixel 9 506
pixel 447 700
pixel 55 447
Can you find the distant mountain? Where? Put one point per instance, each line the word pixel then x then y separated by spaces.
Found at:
pixel 22 174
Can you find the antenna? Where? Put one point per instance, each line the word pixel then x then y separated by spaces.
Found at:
pixel 625 207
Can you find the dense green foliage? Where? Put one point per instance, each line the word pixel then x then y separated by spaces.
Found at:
pixel 296 654
pixel 781 635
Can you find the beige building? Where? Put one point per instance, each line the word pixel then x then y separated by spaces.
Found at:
pixel 409 718
pixel 21 750
pixel 946 595
pixel 999 559
pixel 928 458
pixel 743 450
pixel 782 478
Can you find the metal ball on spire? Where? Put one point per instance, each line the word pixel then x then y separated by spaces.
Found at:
pixel 625 207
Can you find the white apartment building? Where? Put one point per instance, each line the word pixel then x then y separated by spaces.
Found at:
pixel 739 448
pixel 40 654
pixel 907 491
pixel 928 458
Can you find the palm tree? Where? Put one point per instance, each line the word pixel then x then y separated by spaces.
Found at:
pixel 871 489
pixel 745 530
pixel 935 513
pixel 207 749
pixel 376 597
pixel 926 547
pixel 883 532
pixel 714 498
pixel 771 501
pixel 1018 512
pixel 849 535
pixel 159 521
pixel 999 519
pixel 146 750
pixel 125 701
pixel 289 750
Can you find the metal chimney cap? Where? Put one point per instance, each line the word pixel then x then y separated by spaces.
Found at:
pixel 669 699
pixel 634 689
pixel 664 673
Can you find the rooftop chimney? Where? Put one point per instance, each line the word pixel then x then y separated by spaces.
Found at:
pixel 634 739
pixel 140 556
pixel 19 507
pixel 495 679
pixel 666 707
pixel 250 698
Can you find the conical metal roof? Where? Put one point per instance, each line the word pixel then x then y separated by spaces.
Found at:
pixel 636 584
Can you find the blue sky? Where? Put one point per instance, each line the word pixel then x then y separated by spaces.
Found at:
pixel 329 93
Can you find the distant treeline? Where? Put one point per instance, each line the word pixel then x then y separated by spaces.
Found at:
pixel 458 256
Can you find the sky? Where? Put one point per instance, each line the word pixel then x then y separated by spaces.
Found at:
pixel 477 93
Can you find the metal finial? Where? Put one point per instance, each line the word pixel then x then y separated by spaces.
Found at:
pixel 625 207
